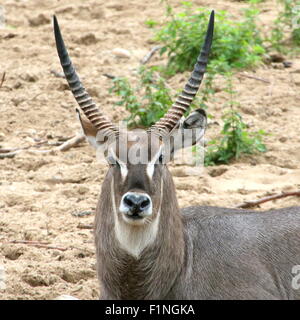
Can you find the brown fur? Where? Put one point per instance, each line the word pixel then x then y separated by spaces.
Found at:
pixel 199 252
pixel 150 277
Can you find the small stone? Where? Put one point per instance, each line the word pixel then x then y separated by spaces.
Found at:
pixel 67 9
pixel 218 171
pixel 121 53
pixel 77 52
pixel 39 20
pixel 63 87
pixel 276 57
pixel 49 136
pixel 297 81
pixel 16 49
pixel 283 139
pixel 287 64
pixel 18 100
pixel 42 188
pixel 65 105
pixel 119 31
pixel 30 77
pixel 35 279
pixel 94 91
pixel 116 6
pixel 87 39
pixel 179 172
pixel 18 85
pixel 83 190
pixel 276 65
pixel 9 35
pixel 2 136
pixel 97 13
pixel 248 110
pixel 75 275
pixel 12 252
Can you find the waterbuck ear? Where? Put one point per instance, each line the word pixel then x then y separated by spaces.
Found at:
pixel 191 129
pixel 189 132
pixel 197 119
pixel 88 129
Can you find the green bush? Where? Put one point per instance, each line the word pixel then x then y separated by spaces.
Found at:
pixel 236 44
pixel 148 101
pixel 287 22
pixel 235 139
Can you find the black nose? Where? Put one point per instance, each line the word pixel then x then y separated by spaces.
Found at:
pixel 136 203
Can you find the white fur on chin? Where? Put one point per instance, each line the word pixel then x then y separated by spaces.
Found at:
pixel 133 236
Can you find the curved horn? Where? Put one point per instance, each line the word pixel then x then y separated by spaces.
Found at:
pixel 183 102
pixel 83 99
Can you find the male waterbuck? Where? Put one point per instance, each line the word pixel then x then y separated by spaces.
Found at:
pixel 147 248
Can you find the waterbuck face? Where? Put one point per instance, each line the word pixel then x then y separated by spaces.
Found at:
pixel 138 165
pixel 138 176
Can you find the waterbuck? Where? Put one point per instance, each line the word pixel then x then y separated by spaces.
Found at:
pixel 146 247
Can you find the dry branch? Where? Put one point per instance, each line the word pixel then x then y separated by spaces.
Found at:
pixel 109 76
pixel 3 150
pixel 4 155
pixel 150 54
pixel 35 244
pixel 57 74
pixel 71 143
pixel 254 203
pixel 253 77
pixel 3 79
pixel 81 213
pixel 85 226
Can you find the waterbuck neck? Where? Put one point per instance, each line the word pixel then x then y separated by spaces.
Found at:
pixel 151 274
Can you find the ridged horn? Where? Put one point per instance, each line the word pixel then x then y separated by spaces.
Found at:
pixel 84 100
pixel 183 102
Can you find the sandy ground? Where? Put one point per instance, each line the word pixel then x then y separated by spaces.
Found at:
pixel 40 194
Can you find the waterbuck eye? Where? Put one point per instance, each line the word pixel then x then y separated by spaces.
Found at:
pixel 116 164
pixel 113 162
pixel 160 159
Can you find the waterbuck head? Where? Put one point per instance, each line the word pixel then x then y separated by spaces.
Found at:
pixel 138 186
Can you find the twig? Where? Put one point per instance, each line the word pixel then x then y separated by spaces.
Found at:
pixel 109 76
pixel 57 74
pixel 81 213
pixel 36 244
pixel 28 242
pixel 253 77
pixel 254 203
pixel 34 97
pixel 150 54
pixel 63 139
pixel 9 154
pixel 7 150
pixel 3 79
pixel 71 143
pixel 85 226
